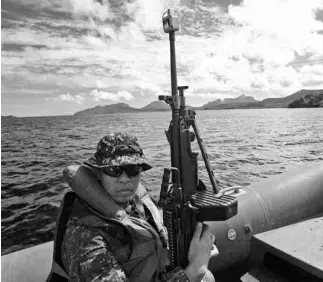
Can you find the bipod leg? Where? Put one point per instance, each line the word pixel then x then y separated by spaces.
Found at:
pixel 205 158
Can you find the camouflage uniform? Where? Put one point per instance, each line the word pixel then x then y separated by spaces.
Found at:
pixel 88 243
pixel 87 256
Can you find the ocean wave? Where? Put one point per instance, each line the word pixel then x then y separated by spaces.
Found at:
pixel 36 150
pixel 304 142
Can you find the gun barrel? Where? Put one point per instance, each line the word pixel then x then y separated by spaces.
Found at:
pixel 173 65
pixel 171 26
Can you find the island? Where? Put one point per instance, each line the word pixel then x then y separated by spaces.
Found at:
pixel 309 101
pixel 303 98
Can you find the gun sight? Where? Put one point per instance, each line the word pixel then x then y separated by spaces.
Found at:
pixel 170 24
pixel 166 98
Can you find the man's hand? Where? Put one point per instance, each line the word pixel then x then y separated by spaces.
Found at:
pixel 200 252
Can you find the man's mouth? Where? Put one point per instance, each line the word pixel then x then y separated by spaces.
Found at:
pixel 125 191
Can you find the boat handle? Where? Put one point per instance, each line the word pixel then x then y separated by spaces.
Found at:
pixel 225 190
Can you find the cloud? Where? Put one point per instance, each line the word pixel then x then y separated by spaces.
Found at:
pixel 313 69
pixel 211 95
pixel 311 75
pixel 255 48
pixel 79 99
pixel 72 98
pixel 275 29
pixel 95 95
pixel 118 21
pixel 91 9
pixel 118 48
pixel 115 97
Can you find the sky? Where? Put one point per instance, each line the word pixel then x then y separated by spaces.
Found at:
pixel 62 56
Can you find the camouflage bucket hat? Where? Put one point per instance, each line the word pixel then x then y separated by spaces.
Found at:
pixel 118 149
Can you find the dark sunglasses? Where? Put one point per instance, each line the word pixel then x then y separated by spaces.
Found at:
pixel 116 171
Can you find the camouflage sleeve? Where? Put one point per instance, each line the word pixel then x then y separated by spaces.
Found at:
pixel 176 275
pixel 88 257
pixel 179 275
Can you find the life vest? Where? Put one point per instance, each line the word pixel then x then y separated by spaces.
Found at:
pixel 57 273
pixel 144 258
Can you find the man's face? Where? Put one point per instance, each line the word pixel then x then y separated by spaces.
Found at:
pixel 121 188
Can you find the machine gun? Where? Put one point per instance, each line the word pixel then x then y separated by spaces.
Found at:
pixel 186 200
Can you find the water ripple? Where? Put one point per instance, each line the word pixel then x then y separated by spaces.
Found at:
pixel 244 146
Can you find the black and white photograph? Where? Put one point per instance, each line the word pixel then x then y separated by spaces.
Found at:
pixel 161 140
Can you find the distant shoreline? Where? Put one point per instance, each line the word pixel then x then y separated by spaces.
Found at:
pixel 302 98
pixel 137 112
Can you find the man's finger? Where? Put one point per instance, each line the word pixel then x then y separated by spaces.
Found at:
pixel 214 251
pixel 198 231
pixel 212 237
pixel 205 230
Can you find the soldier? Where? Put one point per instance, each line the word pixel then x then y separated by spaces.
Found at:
pixel 114 231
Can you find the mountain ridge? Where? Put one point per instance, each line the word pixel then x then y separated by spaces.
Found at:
pixel 308 101
pixel 240 102
pixel 156 106
pixel 282 102
pixel 239 99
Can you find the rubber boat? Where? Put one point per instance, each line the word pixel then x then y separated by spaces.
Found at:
pixel 277 232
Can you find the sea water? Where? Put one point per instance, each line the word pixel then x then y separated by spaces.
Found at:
pixel 244 146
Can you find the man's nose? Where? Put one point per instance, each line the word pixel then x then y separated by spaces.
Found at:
pixel 124 178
